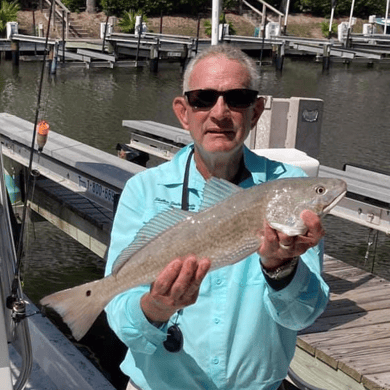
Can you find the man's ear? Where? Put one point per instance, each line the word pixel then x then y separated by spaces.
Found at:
pixel 258 110
pixel 180 109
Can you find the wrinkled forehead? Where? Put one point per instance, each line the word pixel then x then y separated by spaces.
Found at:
pixel 219 71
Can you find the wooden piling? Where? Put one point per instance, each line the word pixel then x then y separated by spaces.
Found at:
pixel 139 41
pixel 15 52
pixel 154 57
pixel 53 57
pixel 63 36
pixel 279 57
pixel 326 57
pixel 184 58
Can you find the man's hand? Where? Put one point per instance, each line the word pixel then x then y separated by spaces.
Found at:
pixel 176 287
pixel 277 247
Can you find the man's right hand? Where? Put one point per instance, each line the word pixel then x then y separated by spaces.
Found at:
pixel 176 287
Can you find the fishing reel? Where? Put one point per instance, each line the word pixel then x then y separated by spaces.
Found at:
pixel 17 307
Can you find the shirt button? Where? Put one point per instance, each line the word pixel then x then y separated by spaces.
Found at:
pixel 215 360
pixel 217 320
pixel 219 281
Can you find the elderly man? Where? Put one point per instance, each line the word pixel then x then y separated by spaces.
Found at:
pixel 235 327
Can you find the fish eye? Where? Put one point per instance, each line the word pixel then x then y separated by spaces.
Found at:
pixel 320 190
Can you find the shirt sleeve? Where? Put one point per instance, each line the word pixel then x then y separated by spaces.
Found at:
pixel 298 305
pixel 124 312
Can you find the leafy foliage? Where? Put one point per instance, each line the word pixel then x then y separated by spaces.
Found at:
pixel 79 5
pixel 74 5
pixel 325 28
pixel 8 13
pixel 363 8
pixel 155 7
pixel 127 22
pixel 222 20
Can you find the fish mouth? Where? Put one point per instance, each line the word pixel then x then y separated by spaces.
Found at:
pixel 332 204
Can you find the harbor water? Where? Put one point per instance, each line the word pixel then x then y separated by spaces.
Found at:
pixel 89 106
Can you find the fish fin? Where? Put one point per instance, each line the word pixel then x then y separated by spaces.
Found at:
pixel 78 306
pixel 216 190
pixel 148 232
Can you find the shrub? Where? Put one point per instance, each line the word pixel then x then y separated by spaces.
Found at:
pixel 325 28
pixel 222 20
pixel 127 22
pixel 8 13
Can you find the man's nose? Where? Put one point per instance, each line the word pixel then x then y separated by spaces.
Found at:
pixel 220 107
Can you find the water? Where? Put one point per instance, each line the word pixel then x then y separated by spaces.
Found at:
pixel 89 105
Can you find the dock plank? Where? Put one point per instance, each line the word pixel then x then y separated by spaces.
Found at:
pixel 340 337
pixel 353 334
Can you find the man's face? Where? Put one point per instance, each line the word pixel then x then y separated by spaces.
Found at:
pixel 219 128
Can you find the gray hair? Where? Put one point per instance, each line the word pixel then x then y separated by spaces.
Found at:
pixel 231 52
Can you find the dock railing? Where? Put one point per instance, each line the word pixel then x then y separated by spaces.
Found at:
pixel 62 12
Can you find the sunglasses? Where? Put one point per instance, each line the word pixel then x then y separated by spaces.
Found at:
pixel 234 98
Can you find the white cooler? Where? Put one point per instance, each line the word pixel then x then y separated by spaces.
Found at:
pixel 293 157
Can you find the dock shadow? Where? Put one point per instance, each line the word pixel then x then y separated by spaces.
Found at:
pixel 340 286
pixel 339 311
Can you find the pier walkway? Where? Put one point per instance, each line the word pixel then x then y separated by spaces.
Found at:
pixel 348 347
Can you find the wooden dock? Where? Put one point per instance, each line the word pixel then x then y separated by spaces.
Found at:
pixel 348 347
pixel 129 50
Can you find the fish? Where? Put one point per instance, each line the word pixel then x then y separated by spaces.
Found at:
pixel 225 230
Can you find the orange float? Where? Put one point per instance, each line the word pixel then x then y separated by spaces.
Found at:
pixel 42 133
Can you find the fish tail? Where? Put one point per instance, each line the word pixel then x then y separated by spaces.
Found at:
pixel 78 306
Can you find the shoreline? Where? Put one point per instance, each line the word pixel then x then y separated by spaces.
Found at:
pixel 301 25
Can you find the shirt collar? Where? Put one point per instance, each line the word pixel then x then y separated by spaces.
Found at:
pixel 256 165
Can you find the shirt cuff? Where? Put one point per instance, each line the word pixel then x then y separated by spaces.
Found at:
pixel 280 284
pixel 152 334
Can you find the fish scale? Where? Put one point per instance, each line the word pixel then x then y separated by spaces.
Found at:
pixel 225 230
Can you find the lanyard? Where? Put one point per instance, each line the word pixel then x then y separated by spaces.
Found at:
pixel 184 196
pixel 174 341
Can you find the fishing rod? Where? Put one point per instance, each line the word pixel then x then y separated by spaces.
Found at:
pixel 42 129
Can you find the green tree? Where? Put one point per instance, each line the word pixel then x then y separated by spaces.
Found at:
pixel 90 6
pixel 8 13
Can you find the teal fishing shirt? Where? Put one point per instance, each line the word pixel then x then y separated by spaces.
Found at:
pixel 240 334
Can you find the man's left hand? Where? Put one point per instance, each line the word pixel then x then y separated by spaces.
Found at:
pixel 277 248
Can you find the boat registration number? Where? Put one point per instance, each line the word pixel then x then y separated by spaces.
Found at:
pixel 97 189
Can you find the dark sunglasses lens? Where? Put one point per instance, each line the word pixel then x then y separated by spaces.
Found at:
pixel 240 98
pixel 174 341
pixel 235 98
pixel 202 98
